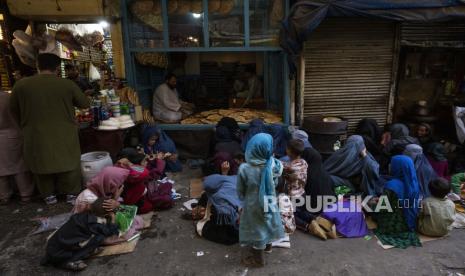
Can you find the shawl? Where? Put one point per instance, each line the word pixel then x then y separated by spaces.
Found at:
pixel 319 182
pixel 437 151
pixel 163 143
pixel 256 126
pixel 425 173
pixel 108 181
pixel 399 139
pixel 280 138
pixel 222 134
pixel 233 127
pixel 302 136
pixel 405 185
pixel 347 162
pixel 371 133
pixel 259 152
pixel 222 194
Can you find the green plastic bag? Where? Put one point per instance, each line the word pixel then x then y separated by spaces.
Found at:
pixel 125 216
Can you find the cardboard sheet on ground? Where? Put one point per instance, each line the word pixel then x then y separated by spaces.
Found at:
pixel 147 219
pixel 121 248
pixel 195 188
pixel 423 239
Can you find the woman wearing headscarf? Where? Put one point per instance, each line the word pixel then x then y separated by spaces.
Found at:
pixel 425 173
pixel 224 142
pixel 233 128
pixel 399 140
pixel 280 138
pixel 255 126
pixel 397 227
pixel 354 167
pixel 371 133
pixel 221 222
pixel 436 154
pixel 155 141
pixel 424 134
pixel 260 223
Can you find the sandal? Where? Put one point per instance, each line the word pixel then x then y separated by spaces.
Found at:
pixel 268 248
pixel 75 266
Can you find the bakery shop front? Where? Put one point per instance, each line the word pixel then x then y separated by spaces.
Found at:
pixel 225 55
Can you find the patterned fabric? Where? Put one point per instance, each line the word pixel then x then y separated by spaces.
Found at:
pixel 287 213
pixel 296 186
pixel 392 227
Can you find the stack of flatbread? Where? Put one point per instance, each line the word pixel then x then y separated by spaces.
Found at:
pixel 241 115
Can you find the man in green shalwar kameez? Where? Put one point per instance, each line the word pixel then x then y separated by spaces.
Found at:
pixel 44 105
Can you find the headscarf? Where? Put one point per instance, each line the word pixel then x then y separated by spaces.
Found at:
pixel 319 182
pixel 222 194
pixel 163 143
pixel 428 137
pixel 222 134
pixel 256 126
pixel 371 133
pixel 405 185
pixel 280 137
pixel 233 127
pixel 259 152
pixel 302 136
pixel 399 139
pixel 425 173
pixel 347 162
pixel 437 151
pixel 108 181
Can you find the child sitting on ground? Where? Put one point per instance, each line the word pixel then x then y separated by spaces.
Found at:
pixel 437 212
pixel 295 171
pixel 80 238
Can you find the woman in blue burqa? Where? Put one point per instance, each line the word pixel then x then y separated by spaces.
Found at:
pixel 353 166
pixel 425 173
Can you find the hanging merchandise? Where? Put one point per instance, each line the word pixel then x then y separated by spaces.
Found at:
pixel 226 7
pixel 93 73
pixel 24 49
pixel 196 6
pixel 172 6
pixel 66 37
pixel 214 5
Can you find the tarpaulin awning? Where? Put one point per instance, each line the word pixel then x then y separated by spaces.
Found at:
pixel 305 16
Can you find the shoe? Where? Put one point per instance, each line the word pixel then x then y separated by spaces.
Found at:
pixel 324 223
pixel 71 199
pixel 332 234
pixel 315 229
pixel 75 266
pixel 268 248
pixel 254 259
pixel 51 200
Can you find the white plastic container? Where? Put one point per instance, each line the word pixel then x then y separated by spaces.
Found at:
pixel 92 163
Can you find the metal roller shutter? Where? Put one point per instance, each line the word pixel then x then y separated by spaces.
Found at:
pixel 450 34
pixel 348 70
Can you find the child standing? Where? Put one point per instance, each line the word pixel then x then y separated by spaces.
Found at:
pixel 260 222
pixel 295 171
pixel 438 212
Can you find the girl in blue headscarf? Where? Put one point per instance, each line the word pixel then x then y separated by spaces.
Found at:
pixel 353 166
pixel 397 228
pixel 260 223
pixel 155 140
pixel 425 173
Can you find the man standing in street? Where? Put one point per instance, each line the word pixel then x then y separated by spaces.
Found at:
pixel 43 106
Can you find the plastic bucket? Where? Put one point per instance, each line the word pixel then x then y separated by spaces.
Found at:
pixel 92 163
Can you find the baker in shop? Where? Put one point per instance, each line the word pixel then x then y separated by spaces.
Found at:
pixel 250 88
pixel 167 107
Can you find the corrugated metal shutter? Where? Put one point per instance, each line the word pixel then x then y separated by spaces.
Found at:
pixel 348 69
pixel 450 34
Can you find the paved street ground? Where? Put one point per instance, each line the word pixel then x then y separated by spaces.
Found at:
pixel 170 248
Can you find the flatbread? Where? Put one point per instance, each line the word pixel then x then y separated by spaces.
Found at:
pixel 226 112
pixel 214 117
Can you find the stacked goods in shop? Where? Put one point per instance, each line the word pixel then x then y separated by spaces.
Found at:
pixel 149 12
pixel 152 59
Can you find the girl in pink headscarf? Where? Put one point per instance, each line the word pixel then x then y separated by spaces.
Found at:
pixel 107 184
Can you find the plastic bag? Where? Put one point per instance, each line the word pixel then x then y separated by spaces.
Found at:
pixel 124 217
pixel 93 73
pixel 459 117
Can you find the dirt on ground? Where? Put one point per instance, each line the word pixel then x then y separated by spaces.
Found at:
pixel 171 247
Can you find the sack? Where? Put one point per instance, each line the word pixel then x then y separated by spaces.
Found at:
pixel 125 216
pixel 159 194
